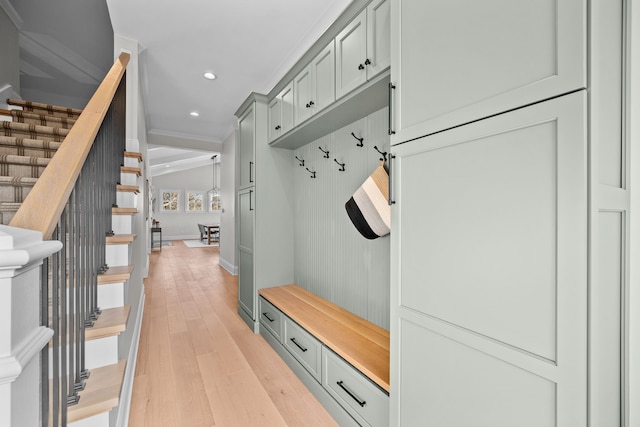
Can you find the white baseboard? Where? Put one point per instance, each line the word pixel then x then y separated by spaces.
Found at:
pixel 233 269
pixel 127 386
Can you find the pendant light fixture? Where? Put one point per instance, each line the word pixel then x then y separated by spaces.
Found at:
pixel 215 190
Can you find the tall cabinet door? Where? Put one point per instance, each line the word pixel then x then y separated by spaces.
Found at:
pixel 246 287
pixel 246 151
pixel 455 62
pixel 489 272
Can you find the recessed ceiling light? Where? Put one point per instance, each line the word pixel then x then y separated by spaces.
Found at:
pixel 194 113
pixel 209 75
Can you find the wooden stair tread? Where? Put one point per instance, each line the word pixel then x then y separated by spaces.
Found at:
pixel 111 322
pixel 101 393
pixel 124 211
pixel 361 343
pixel 130 169
pixel 120 239
pixel 115 274
pixel 128 188
pixel 133 155
pixel 44 108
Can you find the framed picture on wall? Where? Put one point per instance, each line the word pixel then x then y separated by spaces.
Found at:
pixel 170 200
pixel 195 201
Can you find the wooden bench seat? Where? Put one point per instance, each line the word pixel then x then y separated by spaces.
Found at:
pixel 358 341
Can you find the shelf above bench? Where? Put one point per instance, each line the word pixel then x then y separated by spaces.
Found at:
pixel 368 98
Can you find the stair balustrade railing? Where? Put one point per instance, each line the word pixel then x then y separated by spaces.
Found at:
pixel 79 187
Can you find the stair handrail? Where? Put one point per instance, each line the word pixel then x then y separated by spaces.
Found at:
pixel 44 204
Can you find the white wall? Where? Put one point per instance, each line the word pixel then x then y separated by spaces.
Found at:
pixel 227 217
pixel 184 225
pixel 10 63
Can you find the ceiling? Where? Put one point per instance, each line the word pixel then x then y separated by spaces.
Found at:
pixel 66 48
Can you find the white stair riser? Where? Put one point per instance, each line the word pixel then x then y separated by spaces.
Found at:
pixel 128 179
pixel 121 224
pixel 128 161
pixel 126 199
pixel 102 352
pixel 117 255
pixel 99 352
pixel 133 145
pixel 111 295
pixel 100 420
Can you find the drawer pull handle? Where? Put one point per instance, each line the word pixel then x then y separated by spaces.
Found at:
pixel 267 316
pixel 350 393
pixel 293 340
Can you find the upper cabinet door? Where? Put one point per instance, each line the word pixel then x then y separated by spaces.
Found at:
pixel 302 92
pixel 246 158
pixel 281 113
pixel 286 102
pixel 275 118
pixel 351 55
pixel 378 39
pixel 324 88
pixel 454 62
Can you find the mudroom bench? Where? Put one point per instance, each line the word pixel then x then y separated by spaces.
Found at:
pixel 342 358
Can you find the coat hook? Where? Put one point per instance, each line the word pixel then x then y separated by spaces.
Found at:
pixel 313 173
pixel 326 153
pixel 359 144
pixel 300 160
pixel 341 165
pixel 384 153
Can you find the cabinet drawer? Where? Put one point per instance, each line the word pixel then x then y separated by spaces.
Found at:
pixel 303 346
pixel 271 318
pixel 365 401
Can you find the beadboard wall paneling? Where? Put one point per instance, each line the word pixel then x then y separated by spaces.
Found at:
pixel 332 259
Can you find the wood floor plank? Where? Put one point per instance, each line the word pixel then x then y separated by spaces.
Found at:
pixel 198 364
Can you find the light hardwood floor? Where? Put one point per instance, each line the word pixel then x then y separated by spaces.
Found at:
pixel 199 364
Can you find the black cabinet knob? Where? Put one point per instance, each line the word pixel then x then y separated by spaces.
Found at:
pixel 311 103
pixel 360 67
pixel 367 62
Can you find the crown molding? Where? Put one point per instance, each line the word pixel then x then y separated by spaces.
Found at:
pixel 11 13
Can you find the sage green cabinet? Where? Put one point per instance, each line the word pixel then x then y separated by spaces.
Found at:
pixel 281 113
pixel 489 304
pixel 246 278
pixel 363 47
pixel 314 86
pixel 455 62
pixel 264 232
pixel 246 148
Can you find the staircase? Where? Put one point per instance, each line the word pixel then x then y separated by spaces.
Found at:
pixel 30 135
